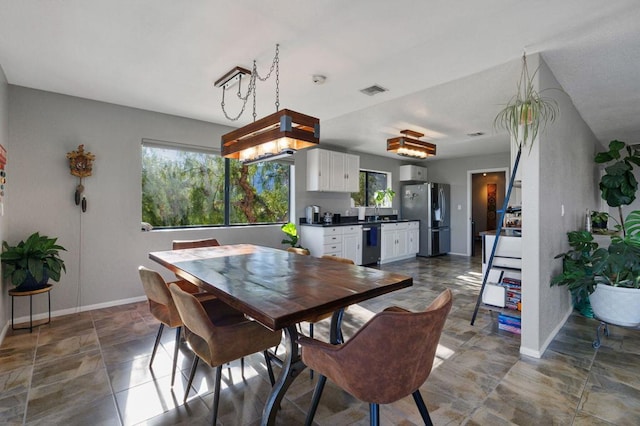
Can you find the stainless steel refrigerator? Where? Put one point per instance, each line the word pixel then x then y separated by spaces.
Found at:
pixel 429 203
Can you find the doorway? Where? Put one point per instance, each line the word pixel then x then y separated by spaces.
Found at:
pixel 486 190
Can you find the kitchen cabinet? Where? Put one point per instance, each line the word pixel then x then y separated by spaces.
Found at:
pixel 413 237
pixel 342 241
pixel 352 243
pixel 332 171
pixel 396 243
pixel 411 173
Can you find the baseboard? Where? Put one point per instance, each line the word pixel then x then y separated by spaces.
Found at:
pixel 61 312
pixel 538 353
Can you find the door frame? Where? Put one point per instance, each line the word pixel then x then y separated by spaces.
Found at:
pixel 470 174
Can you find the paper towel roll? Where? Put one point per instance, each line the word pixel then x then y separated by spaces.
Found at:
pixel 361 212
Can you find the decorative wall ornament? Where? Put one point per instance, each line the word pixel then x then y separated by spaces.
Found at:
pixel 80 165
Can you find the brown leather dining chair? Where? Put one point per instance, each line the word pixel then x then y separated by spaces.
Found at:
pixel 163 309
pixel 204 242
pixel 389 358
pixel 219 334
pixel 299 250
pixel 186 244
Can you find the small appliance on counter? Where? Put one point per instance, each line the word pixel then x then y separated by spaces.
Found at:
pixel 327 218
pixel 312 214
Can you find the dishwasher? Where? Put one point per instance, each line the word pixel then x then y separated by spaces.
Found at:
pixel 370 244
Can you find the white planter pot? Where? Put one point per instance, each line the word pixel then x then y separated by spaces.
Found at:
pixel 616 305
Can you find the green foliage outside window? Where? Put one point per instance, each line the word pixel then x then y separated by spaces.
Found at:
pixel 370 183
pixel 186 188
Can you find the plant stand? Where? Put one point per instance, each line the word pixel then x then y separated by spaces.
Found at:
pixel 16 293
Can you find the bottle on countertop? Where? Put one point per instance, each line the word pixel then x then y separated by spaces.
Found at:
pixel 587 221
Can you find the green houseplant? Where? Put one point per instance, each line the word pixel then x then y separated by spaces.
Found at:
pixel 290 231
pixel 608 279
pixel 31 262
pixel 599 219
pixel 526 111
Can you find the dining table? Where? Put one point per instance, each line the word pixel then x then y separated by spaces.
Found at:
pixel 280 289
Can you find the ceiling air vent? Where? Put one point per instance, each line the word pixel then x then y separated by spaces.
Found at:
pixel 373 90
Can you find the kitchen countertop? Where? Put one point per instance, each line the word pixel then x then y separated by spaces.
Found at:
pixel 509 232
pixel 357 223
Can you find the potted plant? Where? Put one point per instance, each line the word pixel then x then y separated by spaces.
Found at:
pixel 618 186
pixel 609 278
pixel 292 232
pixel 31 263
pixel 526 111
pixel 599 220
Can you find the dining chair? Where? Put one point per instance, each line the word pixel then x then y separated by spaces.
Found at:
pixel 204 242
pixel 218 335
pixel 389 358
pixel 163 309
pixel 299 250
pixel 186 244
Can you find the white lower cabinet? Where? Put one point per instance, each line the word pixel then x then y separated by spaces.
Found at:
pixel 399 241
pixel 342 241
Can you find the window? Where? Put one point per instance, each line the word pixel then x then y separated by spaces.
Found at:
pixel 370 182
pixel 184 187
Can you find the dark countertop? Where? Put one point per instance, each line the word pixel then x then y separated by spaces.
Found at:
pixel 356 223
pixel 509 232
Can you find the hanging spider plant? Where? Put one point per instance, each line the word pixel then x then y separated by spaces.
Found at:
pixel 526 111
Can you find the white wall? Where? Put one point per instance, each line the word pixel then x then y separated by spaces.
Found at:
pixel 559 171
pixel 454 172
pixel 4 141
pixel 104 245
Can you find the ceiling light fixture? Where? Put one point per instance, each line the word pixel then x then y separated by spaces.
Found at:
pixel 409 147
pixel 275 136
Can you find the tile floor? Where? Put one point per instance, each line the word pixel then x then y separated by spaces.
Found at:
pixel 92 369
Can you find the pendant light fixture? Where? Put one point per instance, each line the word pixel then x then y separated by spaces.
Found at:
pixel 275 136
pixel 407 146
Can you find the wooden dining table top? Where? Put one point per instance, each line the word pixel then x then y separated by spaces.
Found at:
pixel 275 287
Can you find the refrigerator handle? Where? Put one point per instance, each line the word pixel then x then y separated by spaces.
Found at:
pixel 443 204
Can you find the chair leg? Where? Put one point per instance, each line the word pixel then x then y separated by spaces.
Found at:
pixel 242 367
pixel 267 358
pixel 311 336
pixel 422 408
pixel 317 393
pixel 192 373
pixel 216 394
pixel 374 413
pixel 175 355
pixel 155 345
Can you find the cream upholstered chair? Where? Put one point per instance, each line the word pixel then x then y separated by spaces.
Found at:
pixel 389 358
pixel 163 309
pixel 218 335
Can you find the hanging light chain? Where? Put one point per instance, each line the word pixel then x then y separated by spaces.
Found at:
pixel 251 89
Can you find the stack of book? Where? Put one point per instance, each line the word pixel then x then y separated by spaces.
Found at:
pixel 513 287
pixel 509 322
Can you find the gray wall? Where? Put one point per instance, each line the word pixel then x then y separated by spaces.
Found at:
pixel 455 173
pixel 104 245
pixel 4 141
pixel 559 171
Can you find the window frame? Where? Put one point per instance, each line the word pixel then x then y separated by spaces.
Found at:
pixel 388 181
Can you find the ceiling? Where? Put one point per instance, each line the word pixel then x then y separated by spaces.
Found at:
pixel 448 66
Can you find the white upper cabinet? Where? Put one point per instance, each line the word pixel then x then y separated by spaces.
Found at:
pixel 413 173
pixel 332 171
